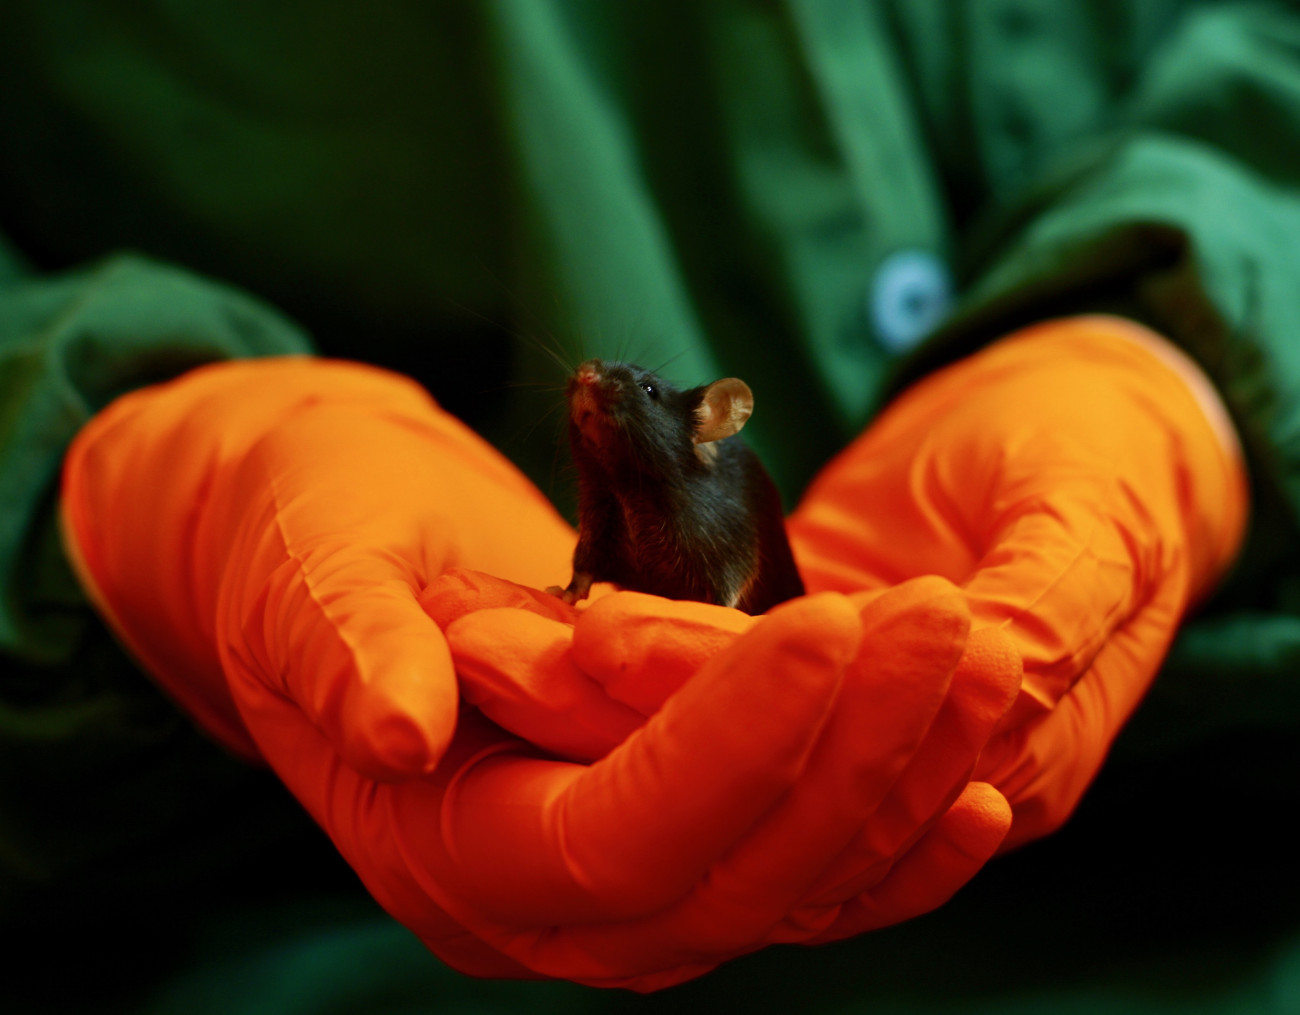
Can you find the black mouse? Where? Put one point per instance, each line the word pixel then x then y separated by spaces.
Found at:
pixel 670 501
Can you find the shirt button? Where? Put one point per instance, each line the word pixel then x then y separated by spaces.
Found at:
pixel 908 297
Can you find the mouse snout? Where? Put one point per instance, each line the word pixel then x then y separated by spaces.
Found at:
pixel 592 387
pixel 587 382
pixel 591 395
pixel 588 373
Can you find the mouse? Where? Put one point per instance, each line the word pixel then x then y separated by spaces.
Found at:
pixel 670 500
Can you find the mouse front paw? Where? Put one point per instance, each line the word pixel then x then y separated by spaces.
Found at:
pixel 577 589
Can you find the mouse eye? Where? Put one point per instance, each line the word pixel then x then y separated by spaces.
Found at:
pixel 651 390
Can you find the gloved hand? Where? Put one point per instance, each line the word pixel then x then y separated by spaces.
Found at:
pixel 806 778
pixel 1081 482
pixel 258 533
pixel 881 824
pixel 277 519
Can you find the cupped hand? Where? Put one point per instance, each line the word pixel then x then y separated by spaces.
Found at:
pixel 274 522
pixel 1082 484
pixel 267 538
pixel 738 781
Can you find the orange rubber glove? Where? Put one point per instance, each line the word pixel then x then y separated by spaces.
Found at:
pixel 880 825
pixel 260 534
pixel 1080 480
pixel 279 518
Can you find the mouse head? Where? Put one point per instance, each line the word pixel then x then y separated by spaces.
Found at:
pixel 633 422
pixel 724 408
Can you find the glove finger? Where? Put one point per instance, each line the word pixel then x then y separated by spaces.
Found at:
pixel 517 667
pixel 912 640
pixel 643 648
pixel 914 637
pixel 983 687
pixel 461 590
pixel 512 650
pixel 324 598
pixel 537 842
pixel 366 666
pixel 628 649
pixel 953 851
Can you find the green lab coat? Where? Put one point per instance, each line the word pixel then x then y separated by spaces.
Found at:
pixel 827 197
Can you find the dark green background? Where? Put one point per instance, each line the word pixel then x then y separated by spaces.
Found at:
pixel 457 190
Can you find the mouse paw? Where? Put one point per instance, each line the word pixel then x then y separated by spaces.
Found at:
pixel 567 596
pixel 576 591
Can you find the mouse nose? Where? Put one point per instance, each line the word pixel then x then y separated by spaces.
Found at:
pixel 583 385
pixel 588 374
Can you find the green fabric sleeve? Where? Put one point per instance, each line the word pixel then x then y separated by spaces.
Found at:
pixel 68 345
pixel 109 799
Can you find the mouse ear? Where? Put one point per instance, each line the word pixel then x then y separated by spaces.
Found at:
pixel 723 410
